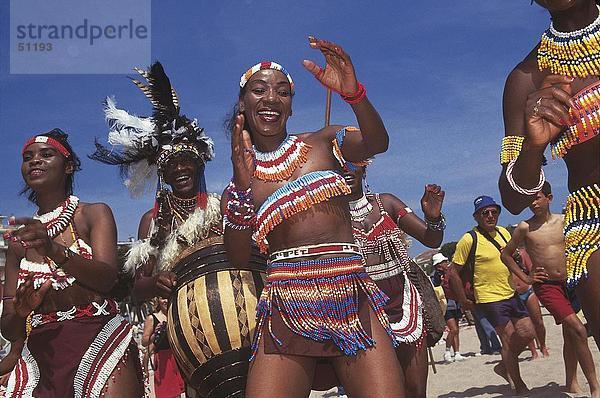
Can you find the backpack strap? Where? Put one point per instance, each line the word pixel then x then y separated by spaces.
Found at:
pixel 471 256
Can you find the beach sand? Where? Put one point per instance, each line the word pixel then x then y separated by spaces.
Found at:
pixel 474 377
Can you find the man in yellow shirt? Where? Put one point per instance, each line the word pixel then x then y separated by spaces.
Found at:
pixel 494 296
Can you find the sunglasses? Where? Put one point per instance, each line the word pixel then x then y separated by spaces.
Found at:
pixel 490 212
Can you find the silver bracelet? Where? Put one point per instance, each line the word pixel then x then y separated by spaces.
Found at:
pixel 521 190
pixel 438 225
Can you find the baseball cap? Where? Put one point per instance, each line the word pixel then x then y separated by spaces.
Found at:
pixel 438 258
pixel 484 201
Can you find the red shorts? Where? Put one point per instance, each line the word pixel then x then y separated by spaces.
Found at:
pixel 554 296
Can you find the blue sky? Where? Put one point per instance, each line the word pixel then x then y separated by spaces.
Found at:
pixel 434 70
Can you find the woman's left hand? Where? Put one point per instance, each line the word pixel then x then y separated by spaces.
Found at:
pixel 431 202
pixel 338 73
pixel 33 235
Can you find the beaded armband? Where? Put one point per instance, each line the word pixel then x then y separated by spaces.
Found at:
pixel 511 148
pixel 438 225
pixel 358 96
pixel 239 214
pixel 337 143
pixel 519 189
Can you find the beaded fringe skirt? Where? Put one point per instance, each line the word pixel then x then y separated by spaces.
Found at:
pixel 319 299
pixel 582 231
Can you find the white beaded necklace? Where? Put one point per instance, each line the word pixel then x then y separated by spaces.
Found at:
pixel 360 208
pixel 59 219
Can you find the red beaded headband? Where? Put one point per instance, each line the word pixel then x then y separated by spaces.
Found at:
pixel 42 139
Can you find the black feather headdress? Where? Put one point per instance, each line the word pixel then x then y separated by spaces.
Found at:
pixel 142 146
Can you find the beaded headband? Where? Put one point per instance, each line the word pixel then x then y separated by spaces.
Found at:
pixel 265 65
pixel 167 152
pixel 42 139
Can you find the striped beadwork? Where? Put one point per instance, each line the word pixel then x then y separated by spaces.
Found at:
pixel 582 231
pixel 318 299
pixel 511 148
pixel 280 164
pixel 584 123
pixel 337 143
pixel 574 54
pixel 294 197
pixel 266 65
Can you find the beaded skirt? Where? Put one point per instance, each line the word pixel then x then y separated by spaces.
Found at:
pixel 582 231
pixel 324 301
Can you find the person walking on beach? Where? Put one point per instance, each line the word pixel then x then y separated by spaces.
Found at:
pixel 453 311
pixel 494 296
pixel 544 240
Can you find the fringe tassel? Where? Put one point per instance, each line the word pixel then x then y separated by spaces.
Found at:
pixel 324 308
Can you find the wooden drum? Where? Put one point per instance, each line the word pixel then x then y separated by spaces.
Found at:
pixel 212 317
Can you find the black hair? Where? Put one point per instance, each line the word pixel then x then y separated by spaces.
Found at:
pixel 229 121
pixel 61 137
pixel 546 188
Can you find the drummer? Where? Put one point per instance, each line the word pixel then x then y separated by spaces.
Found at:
pixel 183 212
pixel 288 192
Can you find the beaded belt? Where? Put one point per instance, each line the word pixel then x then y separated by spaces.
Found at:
pixel 385 270
pixel 312 269
pixel 93 309
pixel 315 250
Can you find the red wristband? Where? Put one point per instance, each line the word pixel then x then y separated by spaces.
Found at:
pixel 356 97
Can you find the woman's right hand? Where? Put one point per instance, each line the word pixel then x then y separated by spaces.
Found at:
pixel 27 299
pixel 242 155
pixel 547 110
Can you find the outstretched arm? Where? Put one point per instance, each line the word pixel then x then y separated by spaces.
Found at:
pixel 431 205
pixel 339 75
pixel 538 115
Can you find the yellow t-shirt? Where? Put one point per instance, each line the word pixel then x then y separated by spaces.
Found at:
pixel 491 280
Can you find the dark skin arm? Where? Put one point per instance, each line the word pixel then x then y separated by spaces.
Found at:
pixel 521 95
pixel 339 75
pixel 431 204
pixel 18 303
pixel 146 284
pixel 100 272
pixel 9 361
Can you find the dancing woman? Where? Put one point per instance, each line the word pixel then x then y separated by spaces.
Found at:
pixel 380 223
pixel 288 192
pixel 552 97
pixel 60 267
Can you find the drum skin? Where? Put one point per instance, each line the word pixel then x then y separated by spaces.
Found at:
pixel 212 317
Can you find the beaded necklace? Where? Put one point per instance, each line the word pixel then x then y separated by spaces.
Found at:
pixel 181 207
pixel 59 219
pixel 294 197
pixel 280 164
pixel 360 208
pixel 585 120
pixel 574 53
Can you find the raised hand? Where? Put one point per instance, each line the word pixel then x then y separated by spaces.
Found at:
pixel 33 235
pixel 27 298
pixel 432 200
pixel 338 73
pixel 242 155
pixel 547 110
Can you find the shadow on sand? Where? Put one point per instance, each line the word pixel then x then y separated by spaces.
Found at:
pixel 549 390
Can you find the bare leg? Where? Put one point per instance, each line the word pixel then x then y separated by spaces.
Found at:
pixel 578 336
pixel 515 336
pixel 414 363
pixel 533 307
pixel 570 358
pixel 534 354
pixel 452 337
pixel 274 375
pixel 375 372
pixel 588 292
pixel 126 381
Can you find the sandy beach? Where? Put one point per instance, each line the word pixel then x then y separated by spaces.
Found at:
pixel 474 377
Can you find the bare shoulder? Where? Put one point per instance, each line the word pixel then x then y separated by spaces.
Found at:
pixel 391 203
pixel 95 211
pixel 145 222
pixel 523 226
pixel 327 133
